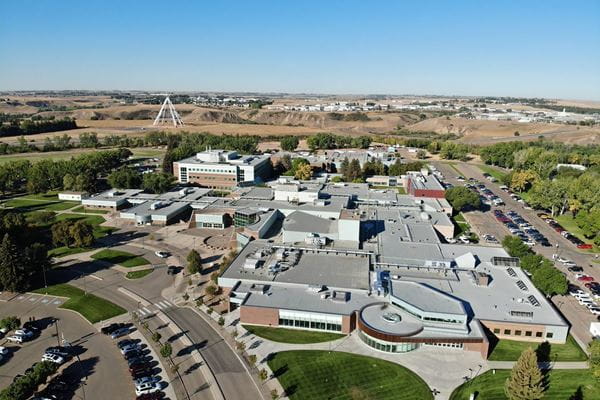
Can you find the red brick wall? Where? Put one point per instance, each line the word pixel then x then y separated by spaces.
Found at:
pixel 348 323
pixel 482 348
pixel 213 180
pixel 439 194
pixel 259 316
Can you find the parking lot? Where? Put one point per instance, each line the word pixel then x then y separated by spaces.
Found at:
pixel 499 221
pixel 96 368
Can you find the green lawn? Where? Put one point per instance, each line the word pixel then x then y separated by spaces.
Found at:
pixel 93 308
pixel 493 171
pixel 122 258
pixel 67 154
pixel 453 166
pixel 562 384
pixel 27 205
pixel 462 225
pixel 94 220
pixel 510 350
pixel 314 374
pixel 82 209
pixel 283 335
pixel 138 274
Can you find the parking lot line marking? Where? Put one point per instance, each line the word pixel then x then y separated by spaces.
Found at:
pixel 167 303
pixel 158 305
pixel 163 304
pixel 45 301
pixel 147 310
pixel 96 277
pixel 57 302
pixel 140 311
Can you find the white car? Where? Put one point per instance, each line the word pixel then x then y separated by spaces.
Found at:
pixel 15 339
pixel 55 358
pixel 563 260
pixel 161 254
pixel 3 350
pixel 595 310
pixel 150 387
pixel 146 380
pixel 4 330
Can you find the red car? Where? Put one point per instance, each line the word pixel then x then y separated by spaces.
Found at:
pixel 585 278
pixel 584 246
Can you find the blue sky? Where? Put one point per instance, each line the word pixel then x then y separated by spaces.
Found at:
pixel 518 48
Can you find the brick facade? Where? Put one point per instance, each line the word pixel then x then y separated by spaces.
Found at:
pixel 259 316
pixel 515 331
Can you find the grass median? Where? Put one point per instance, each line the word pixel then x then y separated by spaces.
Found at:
pixel 119 257
pixel 563 384
pixel 283 335
pixel 510 350
pixel 138 274
pixel 315 374
pixel 91 307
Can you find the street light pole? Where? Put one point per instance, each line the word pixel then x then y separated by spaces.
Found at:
pixel 57 336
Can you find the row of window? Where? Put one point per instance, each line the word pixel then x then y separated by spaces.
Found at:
pixel 211 170
pixel 432 319
pixel 298 323
pixel 209 225
pixel 517 332
pixel 387 347
pixel 449 345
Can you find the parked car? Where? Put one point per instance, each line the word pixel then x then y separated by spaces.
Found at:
pixel 16 339
pixel 161 254
pixel 595 310
pixel 125 342
pixel 133 354
pixel 24 332
pixel 119 333
pixel 172 270
pixel 585 278
pixel 129 346
pixel 575 268
pixel 107 330
pixel 55 358
pixel 150 396
pixel 58 350
pixel 147 388
pixel 146 379
pixel 3 350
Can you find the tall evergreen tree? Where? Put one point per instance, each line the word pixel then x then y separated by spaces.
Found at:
pixel 526 380
pixel 13 274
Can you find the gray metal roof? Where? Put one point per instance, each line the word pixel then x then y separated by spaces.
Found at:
pixel 299 221
pixel 426 298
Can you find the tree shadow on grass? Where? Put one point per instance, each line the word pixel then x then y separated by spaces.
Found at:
pixel 578 395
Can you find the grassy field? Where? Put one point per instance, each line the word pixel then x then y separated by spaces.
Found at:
pixel 493 171
pixel 314 374
pixel 26 204
pixel 510 350
pixel 122 258
pixel 138 274
pixel 455 168
pixel 99 232
pixel 93 308
pixel 562 385
pixel 67 154
pixel 283 335
pixel 82 209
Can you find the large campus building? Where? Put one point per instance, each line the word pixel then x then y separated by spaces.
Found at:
pixel 407 296
pixel 222 169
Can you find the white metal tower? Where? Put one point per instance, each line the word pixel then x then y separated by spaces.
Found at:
pixel 168 114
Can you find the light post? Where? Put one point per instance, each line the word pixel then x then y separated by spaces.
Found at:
pixel 56 326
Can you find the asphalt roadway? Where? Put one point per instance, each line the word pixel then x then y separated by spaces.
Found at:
pixel 231 375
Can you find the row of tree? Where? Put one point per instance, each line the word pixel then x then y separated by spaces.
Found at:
pixel 32 127
pixel 81 172
pixel 544 275
pixel 327 141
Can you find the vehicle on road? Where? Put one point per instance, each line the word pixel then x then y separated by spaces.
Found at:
pixel 490 238
pixel 161 254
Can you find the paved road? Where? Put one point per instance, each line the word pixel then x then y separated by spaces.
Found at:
pixel 231 375
pixel 577 315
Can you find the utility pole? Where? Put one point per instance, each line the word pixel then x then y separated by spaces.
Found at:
pixel 57 336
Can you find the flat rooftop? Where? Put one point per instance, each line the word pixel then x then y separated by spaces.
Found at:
pixel 427 182
pixel 313 267
pixel 146 208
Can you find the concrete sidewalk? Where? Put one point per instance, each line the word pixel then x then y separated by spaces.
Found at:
pixel 542 365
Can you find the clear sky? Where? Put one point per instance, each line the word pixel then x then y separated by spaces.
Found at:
pixel 513 48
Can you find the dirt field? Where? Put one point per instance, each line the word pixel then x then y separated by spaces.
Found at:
pixel 107 116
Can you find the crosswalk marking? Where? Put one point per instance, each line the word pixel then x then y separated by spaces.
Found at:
pixel 169 304
pixel 158 305
pixel 142 312
pixel 147 310
pixel 163 304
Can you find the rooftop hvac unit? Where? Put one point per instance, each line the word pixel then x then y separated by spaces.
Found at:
pixel 156 205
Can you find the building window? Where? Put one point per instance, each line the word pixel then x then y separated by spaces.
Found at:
pixel 527 333
pixel 517 333
pixel 538 334
pixel 496 330
pixel 549 335
pixel 507 331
